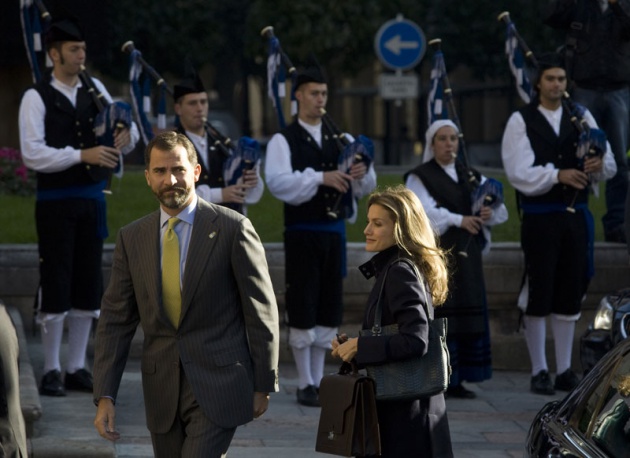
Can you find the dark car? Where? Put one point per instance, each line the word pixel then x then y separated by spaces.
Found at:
pixel 610 325
pixel 593 419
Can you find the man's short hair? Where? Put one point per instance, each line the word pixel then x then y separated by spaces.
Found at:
pixel 168 141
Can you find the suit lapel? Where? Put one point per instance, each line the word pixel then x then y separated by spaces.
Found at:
pixel 149 249
pixel 203 239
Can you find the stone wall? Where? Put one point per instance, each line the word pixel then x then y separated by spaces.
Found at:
pixel 503 268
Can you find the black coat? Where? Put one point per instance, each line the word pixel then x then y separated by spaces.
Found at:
pixel 417 428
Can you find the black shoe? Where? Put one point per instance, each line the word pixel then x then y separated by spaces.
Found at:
pixel 51 384
pixel 308 396
pixel 81 380
pixel 458 391
pixel 566 381
pixel 541 383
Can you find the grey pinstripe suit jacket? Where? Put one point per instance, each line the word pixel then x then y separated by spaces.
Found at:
pixel 227 340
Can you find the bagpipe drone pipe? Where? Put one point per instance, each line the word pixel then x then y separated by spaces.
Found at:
pixel 441 105
pixel 359 150
pixel 522 62
pixel 245 155
pixel 32 15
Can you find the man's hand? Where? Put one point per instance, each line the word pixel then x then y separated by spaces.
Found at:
pixel 105 156
pixel 122 137
pixel 250 178
pixel 593 164
pixel 261 403
pixel 235 193
pixel 104 421
pixel 358 170
pixel 573 177
pixel 337 180
pixel 485 213
pixel 472 224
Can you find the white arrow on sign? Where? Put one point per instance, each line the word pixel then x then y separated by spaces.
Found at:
pixel 395 45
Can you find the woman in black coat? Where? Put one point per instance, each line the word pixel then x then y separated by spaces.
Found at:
pixel 397 228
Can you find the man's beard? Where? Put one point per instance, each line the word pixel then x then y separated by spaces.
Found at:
pixel 178 199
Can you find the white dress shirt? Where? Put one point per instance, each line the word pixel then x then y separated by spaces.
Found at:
pixel 296 187
pixel 183 231
pixel 36 154
pixel 518 156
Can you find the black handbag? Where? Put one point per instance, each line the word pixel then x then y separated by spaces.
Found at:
pixel 348 423
pixel 417 377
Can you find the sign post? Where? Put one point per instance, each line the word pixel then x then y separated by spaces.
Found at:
pixel 400 45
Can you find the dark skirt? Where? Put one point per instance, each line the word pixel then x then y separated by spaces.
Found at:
pixel 471 358
pixel 417 429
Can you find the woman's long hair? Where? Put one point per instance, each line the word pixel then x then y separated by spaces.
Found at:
pixel 414 235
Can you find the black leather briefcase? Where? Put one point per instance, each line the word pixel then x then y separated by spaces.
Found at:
pixel 348 423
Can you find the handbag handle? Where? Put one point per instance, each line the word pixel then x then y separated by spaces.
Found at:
pixel 378 310
pixel 349 368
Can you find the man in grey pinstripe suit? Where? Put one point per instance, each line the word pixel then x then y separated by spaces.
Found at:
pixel 214 369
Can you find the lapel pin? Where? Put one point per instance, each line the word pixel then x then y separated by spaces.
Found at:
pixel 212 234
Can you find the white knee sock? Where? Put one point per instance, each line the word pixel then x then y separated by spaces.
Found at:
pixel 302 358
pixel 535 335
pixel 52 333
pixel 318 355
pixel 78 336
pixel 563 332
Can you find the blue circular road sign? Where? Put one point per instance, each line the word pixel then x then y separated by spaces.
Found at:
pixel 400 44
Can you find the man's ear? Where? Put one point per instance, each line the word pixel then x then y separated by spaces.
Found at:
pixel 53 53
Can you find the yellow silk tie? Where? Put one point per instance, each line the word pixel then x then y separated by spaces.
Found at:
pixel 171 292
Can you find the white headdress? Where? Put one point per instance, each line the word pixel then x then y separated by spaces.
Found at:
pixel 431 131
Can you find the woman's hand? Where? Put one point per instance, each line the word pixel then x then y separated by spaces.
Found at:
pixel 341 338
pixel 347 350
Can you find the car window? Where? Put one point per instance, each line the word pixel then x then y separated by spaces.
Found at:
pixel 605 417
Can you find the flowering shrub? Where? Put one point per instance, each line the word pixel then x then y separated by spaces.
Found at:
pixel 15 178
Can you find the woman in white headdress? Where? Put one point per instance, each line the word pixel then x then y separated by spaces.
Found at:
pixel 444 186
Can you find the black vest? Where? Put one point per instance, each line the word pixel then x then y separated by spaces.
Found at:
pixel 551 148
pixel 216 161
pixel 65 126
pixel 306 153
pixel 453 196
pixel 464 306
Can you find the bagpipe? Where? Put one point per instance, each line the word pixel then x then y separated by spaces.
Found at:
pixel 487 194
pixel 350 153
pixel 245 155
pixel 111 118
pixel 591 141
pixel 279 65
pixel 440 104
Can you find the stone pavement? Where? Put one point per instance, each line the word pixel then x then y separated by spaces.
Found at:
pixel 493 425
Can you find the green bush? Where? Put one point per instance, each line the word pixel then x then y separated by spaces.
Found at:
pixel 131 199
